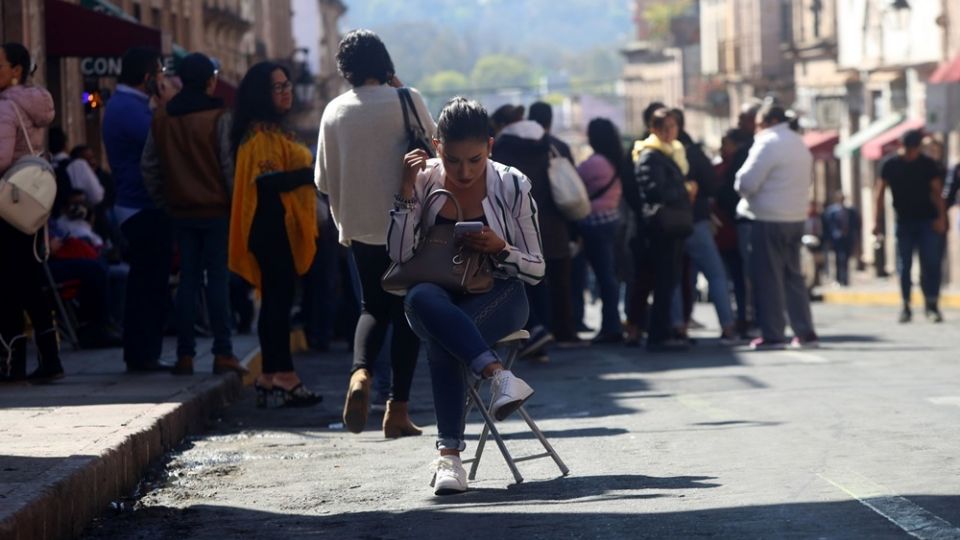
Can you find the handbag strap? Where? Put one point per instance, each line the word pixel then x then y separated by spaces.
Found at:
pixel 436 194
pixel 406 103
pixel 26 136
pixel 605 188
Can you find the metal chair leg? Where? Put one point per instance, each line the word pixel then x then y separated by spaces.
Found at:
pixel 488 421
pixel 543 440
pixel 64 315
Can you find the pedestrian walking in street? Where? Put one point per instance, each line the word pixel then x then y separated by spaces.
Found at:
pixel 362 141
pixel 700 246
pixel 662 202
pixel 774 184
pixel 841 233
pixel 459 330
pixel 916 183
pixel 146 228
pixel 725 235
pixel 273 220
pixel 602 173
pixel 525 145
pixel 25 111
pixel 187 168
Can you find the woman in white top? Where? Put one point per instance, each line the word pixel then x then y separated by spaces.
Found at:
pixel 460 329
pixel 362 141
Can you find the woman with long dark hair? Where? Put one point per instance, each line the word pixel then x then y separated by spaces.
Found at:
pixel 25 111
pixel 602 174
pixel 273 224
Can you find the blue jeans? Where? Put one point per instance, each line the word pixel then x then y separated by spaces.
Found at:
pixel 598 247
pixel 703 253
pixel 203 248
pixel 919 236
pixel 460 330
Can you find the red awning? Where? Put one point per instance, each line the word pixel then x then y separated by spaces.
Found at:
pixel 821 143
pixel 74 31
pixel 948 72
pixel 889 140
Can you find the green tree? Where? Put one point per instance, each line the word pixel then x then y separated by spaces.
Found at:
pixel 660 15
pixel 501 70
pixel 444 82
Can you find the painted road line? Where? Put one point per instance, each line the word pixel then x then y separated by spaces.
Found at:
pixel 945 400
pixel 913 519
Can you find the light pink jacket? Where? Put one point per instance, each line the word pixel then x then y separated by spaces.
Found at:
pixel 36 109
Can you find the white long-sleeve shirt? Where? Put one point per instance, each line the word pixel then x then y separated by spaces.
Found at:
pixel 509 209
pixel 775 179
pixel 360 152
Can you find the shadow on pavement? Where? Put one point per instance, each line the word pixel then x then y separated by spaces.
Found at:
pixel 840 519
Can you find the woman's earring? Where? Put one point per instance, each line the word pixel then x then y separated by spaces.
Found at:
pixel 15 81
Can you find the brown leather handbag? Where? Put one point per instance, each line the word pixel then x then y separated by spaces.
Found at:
pixel 439 259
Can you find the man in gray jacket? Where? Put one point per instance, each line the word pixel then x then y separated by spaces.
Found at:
pixel 774 184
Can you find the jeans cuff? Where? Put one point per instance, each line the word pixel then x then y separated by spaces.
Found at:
pixel 445 443
pixel 485 358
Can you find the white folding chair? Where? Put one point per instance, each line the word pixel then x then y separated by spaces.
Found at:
pixel 510 348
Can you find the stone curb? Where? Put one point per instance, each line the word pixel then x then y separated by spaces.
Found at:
pixel 78 490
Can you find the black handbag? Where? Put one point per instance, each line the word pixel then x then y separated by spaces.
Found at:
pixel 439 259
pixel 674 222
pixel 416 135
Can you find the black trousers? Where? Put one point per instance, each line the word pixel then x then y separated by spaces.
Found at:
pixel 278 286
pixel 21 287
pixel 380 309
pixel 667 254
pixel 150 238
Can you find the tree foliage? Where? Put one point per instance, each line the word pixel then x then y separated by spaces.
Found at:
pixel 444 82
pixel 501 70
pixel 659 16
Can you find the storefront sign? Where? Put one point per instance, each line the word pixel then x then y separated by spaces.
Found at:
pixel 100 67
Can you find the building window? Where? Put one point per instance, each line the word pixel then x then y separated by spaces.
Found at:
pixel 816 6
pixel 786 21
pixel 157 16
pixel 137 14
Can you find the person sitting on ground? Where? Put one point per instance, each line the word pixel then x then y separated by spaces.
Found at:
pixel 460 330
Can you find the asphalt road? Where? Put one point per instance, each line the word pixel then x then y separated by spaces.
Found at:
pixel 859 439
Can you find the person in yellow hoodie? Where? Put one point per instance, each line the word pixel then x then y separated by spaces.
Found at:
pixel 661 199
pixel 273 223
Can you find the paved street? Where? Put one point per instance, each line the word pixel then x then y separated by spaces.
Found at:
pixel 857 439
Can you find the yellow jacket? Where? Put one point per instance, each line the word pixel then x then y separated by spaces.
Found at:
pixel 267 149
pixel 674 150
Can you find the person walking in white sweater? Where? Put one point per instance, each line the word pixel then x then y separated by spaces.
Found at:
pixel 775 183
pixel 360 152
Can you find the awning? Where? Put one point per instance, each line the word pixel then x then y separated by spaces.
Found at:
pixel 889 140
pixel 75 31
pixel 848 147
pixel 948 72
pixel 821 143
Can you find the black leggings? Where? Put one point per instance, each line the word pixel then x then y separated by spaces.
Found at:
pixel 21 287
pixel 380 309
pixel 278 283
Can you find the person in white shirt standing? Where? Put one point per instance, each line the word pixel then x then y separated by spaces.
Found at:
pixel 775 183
pixel 360 153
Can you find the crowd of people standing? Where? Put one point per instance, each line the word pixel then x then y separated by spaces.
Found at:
pixel 228 200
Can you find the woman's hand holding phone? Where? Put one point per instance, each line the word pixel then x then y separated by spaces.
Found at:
pixel 485 241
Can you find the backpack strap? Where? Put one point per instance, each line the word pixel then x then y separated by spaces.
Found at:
pixel 26 136
pixel 605 188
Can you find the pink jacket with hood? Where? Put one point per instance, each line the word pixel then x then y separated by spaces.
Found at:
pixel 36 109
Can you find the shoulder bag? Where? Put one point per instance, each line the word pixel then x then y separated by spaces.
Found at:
pixel 440 260
pixel 28 188
pixel 566 187
pixel 416 135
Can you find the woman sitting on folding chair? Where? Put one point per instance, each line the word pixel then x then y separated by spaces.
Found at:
pixel 460 329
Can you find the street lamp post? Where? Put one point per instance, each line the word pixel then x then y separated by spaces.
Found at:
pixel 304 85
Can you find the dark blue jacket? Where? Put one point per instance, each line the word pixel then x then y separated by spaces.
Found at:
pixel 126 124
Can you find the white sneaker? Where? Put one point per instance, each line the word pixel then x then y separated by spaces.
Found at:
pixel 508 393
pixel 449 477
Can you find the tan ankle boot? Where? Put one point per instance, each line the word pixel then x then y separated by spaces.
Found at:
pixel 396 421
pixel 358 401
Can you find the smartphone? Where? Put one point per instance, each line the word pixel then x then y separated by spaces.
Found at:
pixel 465 227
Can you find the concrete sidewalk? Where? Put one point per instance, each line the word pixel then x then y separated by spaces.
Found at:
pixel 68 449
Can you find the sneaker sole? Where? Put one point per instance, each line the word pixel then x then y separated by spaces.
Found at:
pixel 535 346
pixel 449 491
pixel 507 409
pixel 355 410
